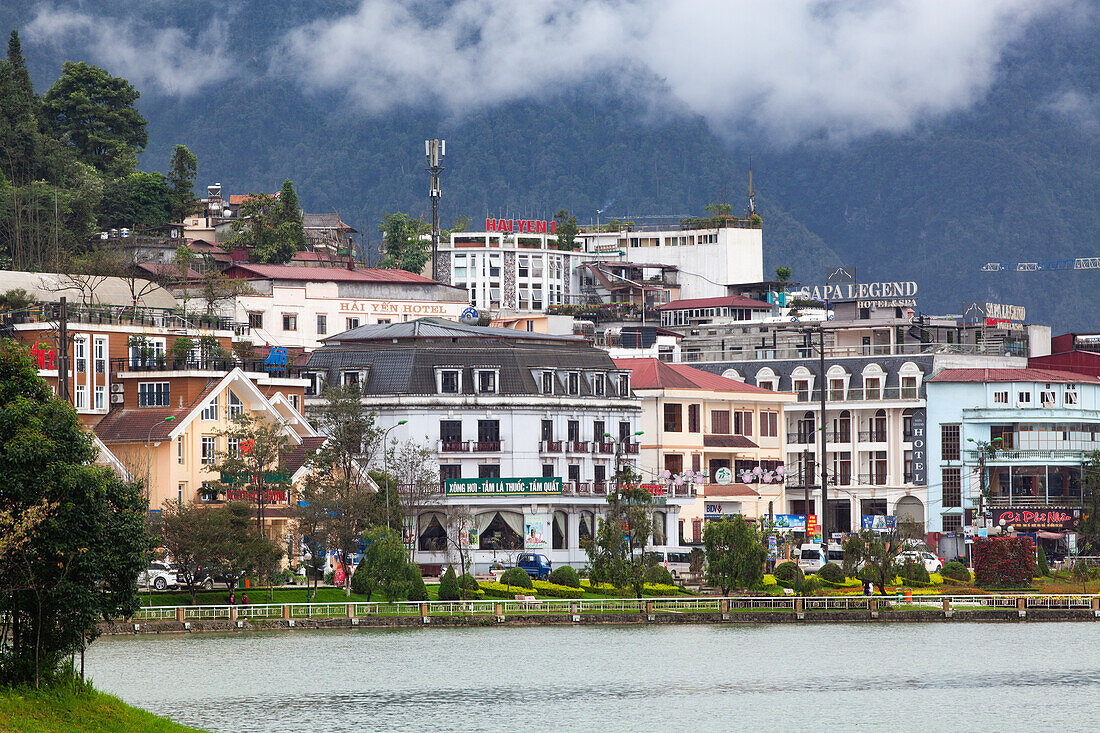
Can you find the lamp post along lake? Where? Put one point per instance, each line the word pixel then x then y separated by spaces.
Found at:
pixel 926 677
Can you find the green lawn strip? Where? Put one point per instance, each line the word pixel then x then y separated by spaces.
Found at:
pixel 70 710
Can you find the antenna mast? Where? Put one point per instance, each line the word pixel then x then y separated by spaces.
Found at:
pixel 752 192
pixel 435 150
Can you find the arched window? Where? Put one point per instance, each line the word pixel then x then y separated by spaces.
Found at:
pixel 910 509
pixel 432 537
pixel 802 382
pixel 842 427
pixel 878 427
pixel 837 383
pixel 910 377
pixel 806 428
pixel 659 535
pixel 561 531
pixel 733 374
pixel 874 380
pixel 767 379
pixel 502 531
pixel 586 526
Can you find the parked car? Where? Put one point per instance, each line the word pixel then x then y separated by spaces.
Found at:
pixel 931 563
pixel 159 575
pixel 537 566
pixel 811 559
pixel 206 579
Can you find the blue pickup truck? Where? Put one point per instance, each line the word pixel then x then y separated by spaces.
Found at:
pixel 537 566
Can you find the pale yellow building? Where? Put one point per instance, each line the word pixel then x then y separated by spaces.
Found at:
pixel 726 436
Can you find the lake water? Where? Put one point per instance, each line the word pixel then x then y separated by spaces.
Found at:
pixel 889 677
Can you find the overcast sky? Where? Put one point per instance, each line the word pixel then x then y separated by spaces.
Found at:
pixel 792 70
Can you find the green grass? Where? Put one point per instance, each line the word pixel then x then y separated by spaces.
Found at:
pixel 68 708
pixel 260 595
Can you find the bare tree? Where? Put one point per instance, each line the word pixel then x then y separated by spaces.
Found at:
pixel 413 467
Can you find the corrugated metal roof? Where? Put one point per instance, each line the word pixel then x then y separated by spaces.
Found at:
pixel 656 374
pixel 439 328
pixel 50 287
pixel 325 274
pixel 732 301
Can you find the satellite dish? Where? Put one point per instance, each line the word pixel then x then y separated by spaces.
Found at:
pixel 470 316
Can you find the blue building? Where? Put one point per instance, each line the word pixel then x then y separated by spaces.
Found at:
pixel 1024 434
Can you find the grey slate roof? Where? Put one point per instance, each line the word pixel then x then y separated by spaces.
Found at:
pixel 409 365
pixel 438 328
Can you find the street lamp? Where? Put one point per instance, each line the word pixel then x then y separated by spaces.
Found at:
pixel 149 454
pixel 386 465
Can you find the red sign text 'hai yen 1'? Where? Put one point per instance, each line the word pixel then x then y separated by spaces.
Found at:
pixel 521 226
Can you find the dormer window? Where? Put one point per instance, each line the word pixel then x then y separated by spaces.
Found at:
pixel 487 381
pixel 598 385
pixel 548 382
pixel 624 385
pixel 574 383
pixel 449 381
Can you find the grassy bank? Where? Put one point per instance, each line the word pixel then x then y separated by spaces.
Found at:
pixel 68 709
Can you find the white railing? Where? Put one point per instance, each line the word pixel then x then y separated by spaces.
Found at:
pixel 678 605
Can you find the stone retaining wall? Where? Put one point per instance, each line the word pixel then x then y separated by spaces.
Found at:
pixel 592 619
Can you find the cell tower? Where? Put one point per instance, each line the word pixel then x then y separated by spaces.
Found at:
pixel 435 150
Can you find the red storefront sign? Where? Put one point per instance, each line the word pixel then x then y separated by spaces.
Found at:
pixel 271 496
pixel 1052 518
pixel 520 226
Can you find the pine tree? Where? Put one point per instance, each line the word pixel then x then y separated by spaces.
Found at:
pixel 448 586
pixel 181 182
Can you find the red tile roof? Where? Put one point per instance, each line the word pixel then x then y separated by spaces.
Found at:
pixel 1011 375
pixel 727 441
pixel 728 490
pixel 325 274
pixel 300 453
pixel 731 301
pixel 657 374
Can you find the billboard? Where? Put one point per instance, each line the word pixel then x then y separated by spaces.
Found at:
pixel 880 522
pixel 790 522
pixel 1047 518
pixel 536 534
pixel 532 486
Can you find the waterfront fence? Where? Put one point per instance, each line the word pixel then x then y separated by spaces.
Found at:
pixel 617 606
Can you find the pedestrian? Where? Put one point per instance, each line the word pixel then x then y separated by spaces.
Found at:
pixel 868 588
pixel 244 600
pixel 232 599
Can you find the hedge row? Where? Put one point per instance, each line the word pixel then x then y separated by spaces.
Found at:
pixel 500 590
pixel 555 590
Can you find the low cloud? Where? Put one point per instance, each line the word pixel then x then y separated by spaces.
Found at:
pixel 1080 108
pixel 793 70
pixel 165 59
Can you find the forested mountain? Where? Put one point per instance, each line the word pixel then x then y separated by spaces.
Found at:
pixel 1012 177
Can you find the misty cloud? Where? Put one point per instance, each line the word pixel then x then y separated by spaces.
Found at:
pixel 166 59
pixel 792 70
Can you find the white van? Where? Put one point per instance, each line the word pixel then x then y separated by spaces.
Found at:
pixel 677 560
pixel 810 557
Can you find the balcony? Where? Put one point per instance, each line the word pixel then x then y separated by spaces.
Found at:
pixel 454 446
pixel 486 446
pixel 1054 454
pixel 802 438
pixel 1073 500
pixel 578 446
pixel 877 478
pixel 863 395
pixel 631 449
pixel 576 488
pixel 162 363
pixel 550 446
pixel 127 316
pixel 604 447
pixel 872 436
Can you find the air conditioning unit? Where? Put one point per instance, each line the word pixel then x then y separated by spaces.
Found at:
pixel 117 399
pixel 117 388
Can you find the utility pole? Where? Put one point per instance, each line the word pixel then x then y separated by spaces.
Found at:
pixel 824 422
pixel 435 150
pixel 63 351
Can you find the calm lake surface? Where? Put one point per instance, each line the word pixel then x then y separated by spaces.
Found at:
pixel 890 677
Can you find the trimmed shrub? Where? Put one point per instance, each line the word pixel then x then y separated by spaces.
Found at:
pixel 556 590
pixel 448 586
pixel 516 577
pixel 1005 562
pixel 1044 566
pixel 661 589
pixel 787 573
pixel 417 590
pixel 871 573
pixel 468 582
pixel 955 570
pixel 499 590
pixel 914 573
pixel 565 575
pixel 832 573
pixel 660 575
pixel 359 579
